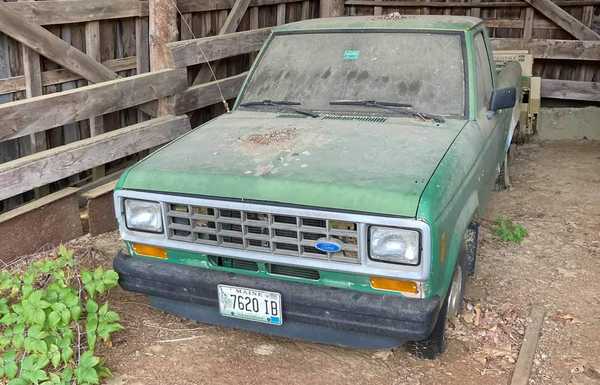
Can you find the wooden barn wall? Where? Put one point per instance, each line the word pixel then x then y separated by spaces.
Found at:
pixel 506 22
pixel 117 49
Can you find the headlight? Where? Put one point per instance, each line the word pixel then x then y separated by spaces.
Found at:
pixel 394 245
pixel 143 215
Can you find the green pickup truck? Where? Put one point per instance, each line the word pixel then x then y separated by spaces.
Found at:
pixel 337 202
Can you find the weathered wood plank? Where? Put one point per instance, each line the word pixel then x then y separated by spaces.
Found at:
pixel 162 30
pixel 76 11
pixel 54 217
pixel 564 19
pixel 571 90
pixel 331 8
pixel 474 4
pixel 47 44
pixel 234 17
pixel 305 11
pixel 44 167
pixel 520 23
pixel 530 341
pixel 219 5
pixel 185 27
pixel 552 49
pixel 529 19
pixel 142 56
pixel 92 48
pixel 206 49
pixel 54 77
pixel 281 11
pixel 25 117
pixel 32 74
pixel 207 94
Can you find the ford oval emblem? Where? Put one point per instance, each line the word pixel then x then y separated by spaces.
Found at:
pixel 328 246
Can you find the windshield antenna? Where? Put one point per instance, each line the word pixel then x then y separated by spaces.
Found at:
pixel 212 72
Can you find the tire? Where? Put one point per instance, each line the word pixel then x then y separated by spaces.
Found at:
pixel 503 179
pixel 434 345
pixel 471 247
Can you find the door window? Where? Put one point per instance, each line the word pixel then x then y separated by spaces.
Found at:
pixel 484 74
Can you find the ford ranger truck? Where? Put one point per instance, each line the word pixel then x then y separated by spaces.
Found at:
pixel 337 202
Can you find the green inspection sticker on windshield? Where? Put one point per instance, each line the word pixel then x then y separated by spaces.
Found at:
pixel 351 54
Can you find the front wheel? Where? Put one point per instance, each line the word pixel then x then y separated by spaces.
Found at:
pixel 435 344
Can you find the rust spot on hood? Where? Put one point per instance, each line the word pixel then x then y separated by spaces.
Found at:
pixel 272 137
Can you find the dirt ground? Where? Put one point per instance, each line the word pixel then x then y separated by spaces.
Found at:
pixel 555 194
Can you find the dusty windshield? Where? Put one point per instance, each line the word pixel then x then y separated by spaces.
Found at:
pixel 422 69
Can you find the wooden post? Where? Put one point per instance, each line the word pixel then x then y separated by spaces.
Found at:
pixel 528 26
pixel 235 16
pixel 142 55
pixel 331 8
pixel 162 30
pixel 33 87
pixel 281 14
pixel 92 48
pixel 305 12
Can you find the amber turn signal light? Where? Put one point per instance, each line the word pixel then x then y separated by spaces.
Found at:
pixel 150 251
pixel 394 285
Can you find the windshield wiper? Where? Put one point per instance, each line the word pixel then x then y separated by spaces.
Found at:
pixel 284 104
pixel 403 108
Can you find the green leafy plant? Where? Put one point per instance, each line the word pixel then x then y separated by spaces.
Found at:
pixel 509 231
pixel 51 321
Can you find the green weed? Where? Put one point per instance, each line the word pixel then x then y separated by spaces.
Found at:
pixel 508 231
pixel 51 320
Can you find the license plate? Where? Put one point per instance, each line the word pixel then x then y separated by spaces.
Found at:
pixel 250 304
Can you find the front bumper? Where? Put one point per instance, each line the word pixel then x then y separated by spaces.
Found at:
pixel 310 312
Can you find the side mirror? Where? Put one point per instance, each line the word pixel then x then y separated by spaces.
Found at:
pixel 503 98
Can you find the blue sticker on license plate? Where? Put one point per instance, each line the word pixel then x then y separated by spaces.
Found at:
pixel 250 304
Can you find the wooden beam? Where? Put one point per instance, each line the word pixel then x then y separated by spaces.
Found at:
pixel 570 90
pixel 162 30
pixel 331 8
pixel 474 4
pixel 305 11
pixel 528 26
pixel 32 74
pixel 564 19
pixel 76 11
pixel 230 25
pixel 206 49
pixel 92 48
pixel 80 11
pixel 27 116
pixel 44 222
pixel 25 173
pixel 54 77
pixel 207 94
pixel 552 49
pixel 47 44
pixel 530 341
pixel 281 11
pixel 142 56
pixel 234 17
pixel 219 5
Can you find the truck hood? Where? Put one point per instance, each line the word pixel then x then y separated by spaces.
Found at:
pixel 331 162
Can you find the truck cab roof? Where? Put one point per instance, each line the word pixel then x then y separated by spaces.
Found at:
pixel 387 22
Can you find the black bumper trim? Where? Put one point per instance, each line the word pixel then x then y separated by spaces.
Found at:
pixel 316 313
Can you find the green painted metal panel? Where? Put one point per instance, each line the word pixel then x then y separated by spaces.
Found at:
pixel 327 278
pixel 416 22
pixel 260 156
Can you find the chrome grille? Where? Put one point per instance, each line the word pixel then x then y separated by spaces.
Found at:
pixel 261 231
